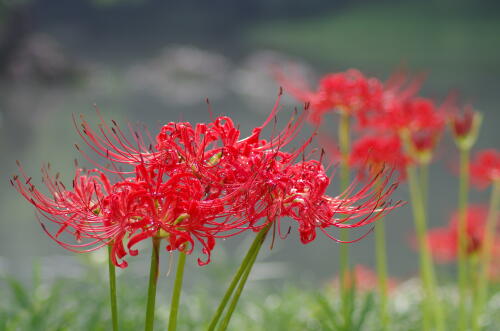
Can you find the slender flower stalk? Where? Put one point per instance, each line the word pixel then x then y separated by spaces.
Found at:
pixel 112 290
pixel 257 242
pixel 153 280
pixel 426 265
pixel 424 190
pixel 424 184
pixel 486 256
pixel 463 277
pixel 369 154
pixel 465 128
pixel 381 257
pixel 176 294
pixel 344 142
pixel 241 285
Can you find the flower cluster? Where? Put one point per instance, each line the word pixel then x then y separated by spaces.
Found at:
pixel 444 241
pixel 386 112
pixel 349 92
pixel 365 280
pixel 485 168
pixel 194 184
pixel 374 152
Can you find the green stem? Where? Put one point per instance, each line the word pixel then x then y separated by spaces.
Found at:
pixel 239 273
pixel 176 294
pixel 462 236
pixel 239 290
pixel 381 256
pixel 424 184
pixel 112 289
pixel 426 265
pixel 424 190
pixel 482 282
pixel 153 280
pixel 344 143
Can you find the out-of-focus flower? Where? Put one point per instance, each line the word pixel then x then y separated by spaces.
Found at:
pixel 348 91
pixel 372 153
pixel 365 279
pixel 417 118
pixel 444 241
pixel 465 126
pixel 485 168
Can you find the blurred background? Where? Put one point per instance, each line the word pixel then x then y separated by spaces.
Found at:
pixel 155 61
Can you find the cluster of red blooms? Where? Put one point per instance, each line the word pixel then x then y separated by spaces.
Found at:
pixel 444 241
pixel 365 279
pixel 485 168
pixel 194 185
pixel 485 171
pixel 398 125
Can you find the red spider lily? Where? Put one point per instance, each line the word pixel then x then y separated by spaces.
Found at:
pixel 417 118
pixel 348 91
pixel 298 191
pixel 365 279
pixel 372 153
pixel 76 211
pixel 485 168
pixel 414 115
pixel 195 184
pixel 444 241
pixel 462 124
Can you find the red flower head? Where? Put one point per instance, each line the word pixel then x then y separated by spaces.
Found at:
pixel 370 154
pixel 465 126
pixel 462 123
pixel 485 168
pixel 348 91
pixel 194 185
pixel 298 191
pixel 75 211
pixel 365 279
pixel 444 241
pixel 419 119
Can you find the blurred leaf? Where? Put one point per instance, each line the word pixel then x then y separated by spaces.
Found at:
pixel 368 305
pixel 20 294
pixel 328 311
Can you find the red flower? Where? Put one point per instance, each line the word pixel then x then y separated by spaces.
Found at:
pixel 365 280
pixel 413 114
pixel 462 123
pixel 348 91
pixel 298 191
pixel 372 153
pixel 444 241
pixel 193 186
pixel 485 168
pixel 75 211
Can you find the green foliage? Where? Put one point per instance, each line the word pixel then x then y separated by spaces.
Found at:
pixel 82 304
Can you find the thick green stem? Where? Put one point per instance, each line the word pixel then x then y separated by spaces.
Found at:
pixel 426 265
pixel 153 280
pixel 344 142
pixel 241 286
pixel 462 237
pixel 489 232
pixel 381 255
pixel 176 294
pixel 112 289
pixel 236 278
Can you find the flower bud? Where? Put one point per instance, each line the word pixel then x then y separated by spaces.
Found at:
pixel 465 127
